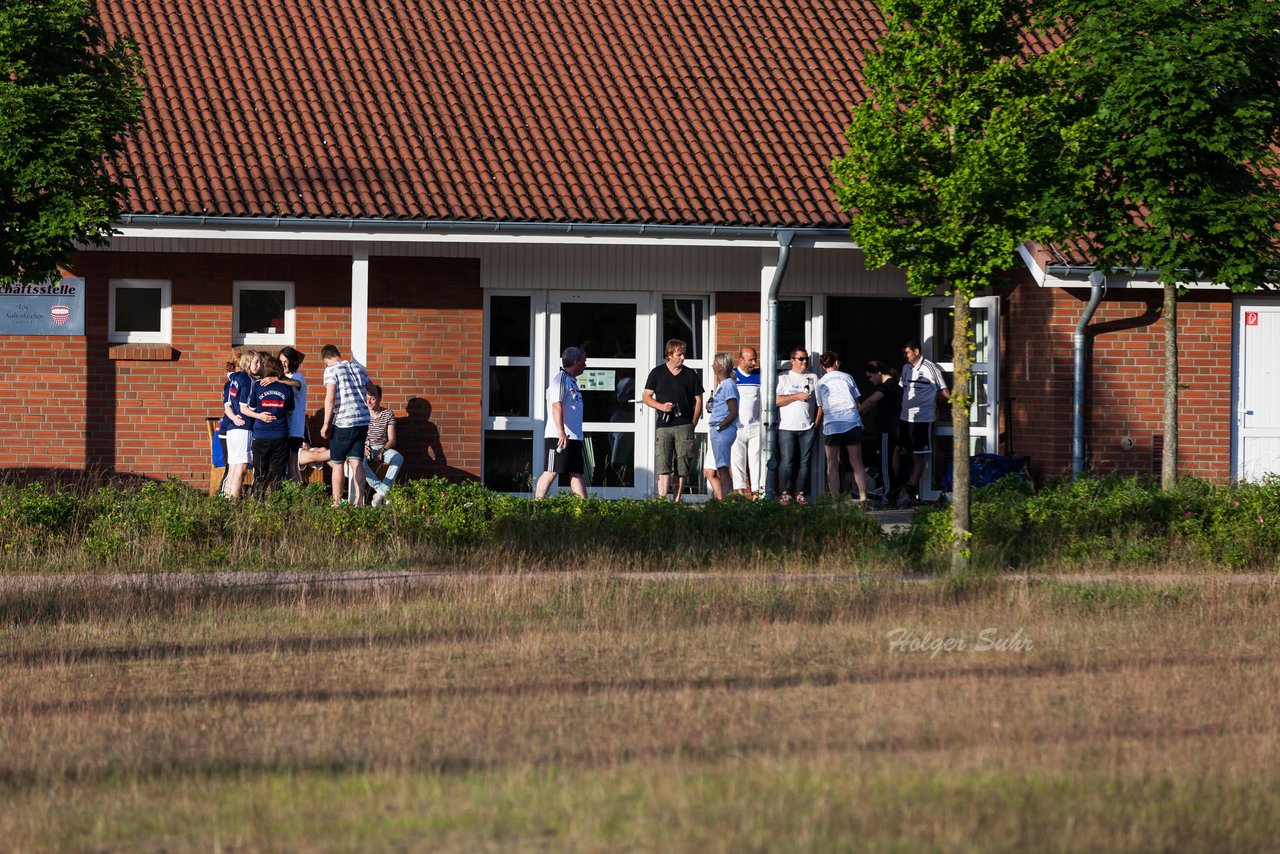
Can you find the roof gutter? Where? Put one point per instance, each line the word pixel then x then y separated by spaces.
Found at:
pixel 371 227
pixel 1079 341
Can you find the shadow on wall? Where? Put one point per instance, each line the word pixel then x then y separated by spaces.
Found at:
pixel 417 437
pixel 78 481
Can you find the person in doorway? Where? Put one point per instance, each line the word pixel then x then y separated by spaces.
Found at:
pixel 841 424
pixel 798 415
pixel 270 405
pixel 922 384
pixel 880 411
pixel 723 428
pixel 346 421
pixel 379 445
pixel 745 459
pixel 563 433
pixel 291 367
pixel 675 392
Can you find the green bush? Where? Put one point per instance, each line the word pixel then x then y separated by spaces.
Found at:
pixel 1117 521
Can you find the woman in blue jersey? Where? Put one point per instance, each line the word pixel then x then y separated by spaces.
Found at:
pixel 841 424
pixel 238 429
pixel 722 427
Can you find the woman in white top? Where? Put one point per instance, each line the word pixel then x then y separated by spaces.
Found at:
pixel 723 427
pixel 291 366
pixel 841 424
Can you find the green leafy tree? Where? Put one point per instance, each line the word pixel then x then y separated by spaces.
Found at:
pixel 948 157
pixel 67 97
pixel 1173 156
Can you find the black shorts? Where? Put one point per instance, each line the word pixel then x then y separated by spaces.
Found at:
pixel 852 436
pixel 568 461
pixel 913 436
pixel 348 443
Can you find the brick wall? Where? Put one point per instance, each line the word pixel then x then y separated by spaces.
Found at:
pixel 737 321
pixel 82 403
pixel 1124 381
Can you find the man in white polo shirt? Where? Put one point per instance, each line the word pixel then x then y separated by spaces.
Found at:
pixel 922 383
pixel 564 426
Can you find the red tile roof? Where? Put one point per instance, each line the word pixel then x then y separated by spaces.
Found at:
pixel 711 112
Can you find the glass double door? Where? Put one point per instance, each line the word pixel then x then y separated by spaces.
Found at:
pixel 616 331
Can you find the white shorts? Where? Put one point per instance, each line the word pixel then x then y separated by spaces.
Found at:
pixel 238 447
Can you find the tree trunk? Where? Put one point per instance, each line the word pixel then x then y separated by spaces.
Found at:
pixel 960 515
pixel 1169 457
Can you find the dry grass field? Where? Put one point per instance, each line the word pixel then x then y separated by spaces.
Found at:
pixel 604 714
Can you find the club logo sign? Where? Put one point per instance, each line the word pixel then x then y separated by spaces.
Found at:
pixel 53 307
pixel 1250 318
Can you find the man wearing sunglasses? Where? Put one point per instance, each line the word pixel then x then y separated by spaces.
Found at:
pixel 798 416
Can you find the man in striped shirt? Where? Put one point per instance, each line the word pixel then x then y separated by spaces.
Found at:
pixel 346 420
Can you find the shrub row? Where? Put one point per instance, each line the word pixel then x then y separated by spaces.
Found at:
pixel 167 525
pixel 1114 521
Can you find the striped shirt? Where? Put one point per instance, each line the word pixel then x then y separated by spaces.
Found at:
pixel 349 408
pixel 379 424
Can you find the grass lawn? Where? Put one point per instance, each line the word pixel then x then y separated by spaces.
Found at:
pixel 605 714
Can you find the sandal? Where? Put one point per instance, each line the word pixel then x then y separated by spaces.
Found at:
pixel 785 498
pixel 800 499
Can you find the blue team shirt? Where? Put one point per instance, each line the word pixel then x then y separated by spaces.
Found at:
pixel 236 391
pixel 276 399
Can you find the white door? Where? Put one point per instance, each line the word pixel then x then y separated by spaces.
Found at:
pixel 936 328
pixel 1257 428
pixel 615 331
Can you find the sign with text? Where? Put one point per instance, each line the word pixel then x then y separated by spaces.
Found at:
pixel 598 380
pixel 55 307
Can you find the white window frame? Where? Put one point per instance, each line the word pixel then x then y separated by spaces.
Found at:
pixel 164 335
pixel 263 338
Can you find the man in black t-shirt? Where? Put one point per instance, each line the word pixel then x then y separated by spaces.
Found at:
pixel 675 392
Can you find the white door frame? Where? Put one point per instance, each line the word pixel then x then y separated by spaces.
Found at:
pixel 1265 315
pixel 644 360
pixel 986 428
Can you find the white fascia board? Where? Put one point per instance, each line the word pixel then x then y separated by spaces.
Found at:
pixel 767 238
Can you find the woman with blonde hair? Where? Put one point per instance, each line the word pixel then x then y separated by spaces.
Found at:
pixel 723 427
pixel 841 424
pixel 237 428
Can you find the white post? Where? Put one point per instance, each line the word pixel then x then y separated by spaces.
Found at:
pixel 360 305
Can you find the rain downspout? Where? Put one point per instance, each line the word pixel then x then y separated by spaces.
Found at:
pixel 1097 286
pixel 769 363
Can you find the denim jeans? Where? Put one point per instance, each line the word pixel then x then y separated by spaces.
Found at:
pixel 394 459
pixel 795 450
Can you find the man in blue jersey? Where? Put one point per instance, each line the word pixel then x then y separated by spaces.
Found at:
pixel 563 432
pixel 746 447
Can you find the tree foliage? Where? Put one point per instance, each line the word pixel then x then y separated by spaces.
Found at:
pixel 68 95
pixel 949 156
pixel 1171 159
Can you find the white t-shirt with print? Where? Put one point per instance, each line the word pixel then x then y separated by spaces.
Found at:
pixel 920 387
pixel 799 414
pixel 838 397
pixel 564 390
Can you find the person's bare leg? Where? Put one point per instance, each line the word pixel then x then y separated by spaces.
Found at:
pixel 578 485
pixel 357 479
pixel 713 481
pixel 833 469
pixel 235 479
pixel 664 481
pixel 859 470
pixel 338 477
pixel 726 481
pixel 544 484
pixel 679 489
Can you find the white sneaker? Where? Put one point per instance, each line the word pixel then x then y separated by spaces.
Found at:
pixel 379 499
